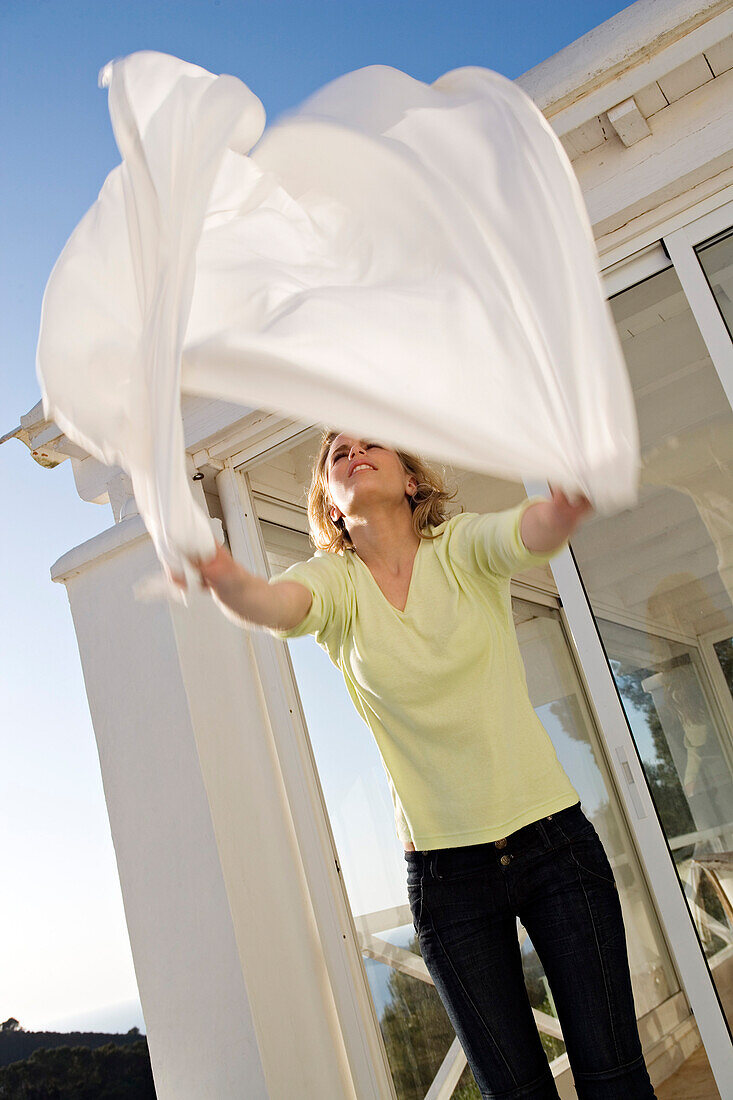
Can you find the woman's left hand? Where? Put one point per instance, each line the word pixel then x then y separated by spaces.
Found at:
pixel 569 515
pixel 546 524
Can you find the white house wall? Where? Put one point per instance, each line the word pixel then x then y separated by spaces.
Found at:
pixel 689 143
pixel 230 974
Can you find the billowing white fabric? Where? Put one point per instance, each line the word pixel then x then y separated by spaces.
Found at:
pixel 401 260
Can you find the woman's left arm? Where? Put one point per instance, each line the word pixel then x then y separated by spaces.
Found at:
pixel 548 523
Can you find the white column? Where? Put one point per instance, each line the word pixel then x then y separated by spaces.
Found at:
pixel 230 969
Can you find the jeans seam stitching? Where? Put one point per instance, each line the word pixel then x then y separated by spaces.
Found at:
pixel 416 919
pixel 475 1007
pixel 588 870
pixel 542 1079
pixel 608 1075
pixel 600 956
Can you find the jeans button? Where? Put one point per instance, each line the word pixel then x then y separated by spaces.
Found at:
pixel 549 817
pixel 505 860
pixel 500 843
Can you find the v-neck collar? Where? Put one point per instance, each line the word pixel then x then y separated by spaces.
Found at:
pixel 410 586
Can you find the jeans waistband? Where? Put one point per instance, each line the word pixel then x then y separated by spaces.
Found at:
pixel 545 833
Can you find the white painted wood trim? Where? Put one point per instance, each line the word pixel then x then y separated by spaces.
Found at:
pixel 177 906
pixel 628 122
pixel 632 269
pixel 98 548
pixel 680 245
pixel 630 61
pixel 689 146
pixel 651 227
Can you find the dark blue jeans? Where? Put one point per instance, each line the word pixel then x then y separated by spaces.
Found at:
pixel 555 876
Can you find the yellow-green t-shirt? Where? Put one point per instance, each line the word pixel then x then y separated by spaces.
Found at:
pixel 441 685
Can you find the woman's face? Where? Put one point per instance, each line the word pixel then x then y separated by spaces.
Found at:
pixel 352 491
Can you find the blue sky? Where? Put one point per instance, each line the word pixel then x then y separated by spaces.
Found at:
pixel 65 955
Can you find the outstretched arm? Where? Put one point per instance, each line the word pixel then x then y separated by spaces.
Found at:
pixel 248 600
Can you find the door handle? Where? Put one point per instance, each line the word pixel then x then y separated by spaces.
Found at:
pixel 630 783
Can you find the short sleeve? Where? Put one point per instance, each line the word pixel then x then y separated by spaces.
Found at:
pixel 325 577
pixel 491 543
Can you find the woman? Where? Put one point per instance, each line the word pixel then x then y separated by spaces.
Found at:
pixel 415 609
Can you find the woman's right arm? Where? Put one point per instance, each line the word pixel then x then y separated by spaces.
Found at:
pixel 248 600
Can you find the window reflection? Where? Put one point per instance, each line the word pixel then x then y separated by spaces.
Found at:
pixel 660 581
pixel 716 260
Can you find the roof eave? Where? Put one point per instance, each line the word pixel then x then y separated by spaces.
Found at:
pixel 630 40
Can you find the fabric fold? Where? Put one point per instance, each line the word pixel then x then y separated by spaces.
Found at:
pixel 405 260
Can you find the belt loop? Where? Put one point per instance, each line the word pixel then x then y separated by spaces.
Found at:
pixel 434 864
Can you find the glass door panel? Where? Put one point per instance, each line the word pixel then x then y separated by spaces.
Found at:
pixel 678 734
pixel 659 580
pixel 560 704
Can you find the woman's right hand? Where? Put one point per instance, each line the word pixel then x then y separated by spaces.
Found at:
pixel 221 574
pixel 246 598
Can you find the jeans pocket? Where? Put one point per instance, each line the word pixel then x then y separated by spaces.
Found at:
pixel 573 824
pixel 589 854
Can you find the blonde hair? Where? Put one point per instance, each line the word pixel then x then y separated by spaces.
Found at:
pixel 428 502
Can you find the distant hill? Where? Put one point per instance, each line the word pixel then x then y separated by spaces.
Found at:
pixel 113 1071
pixel 16 1045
